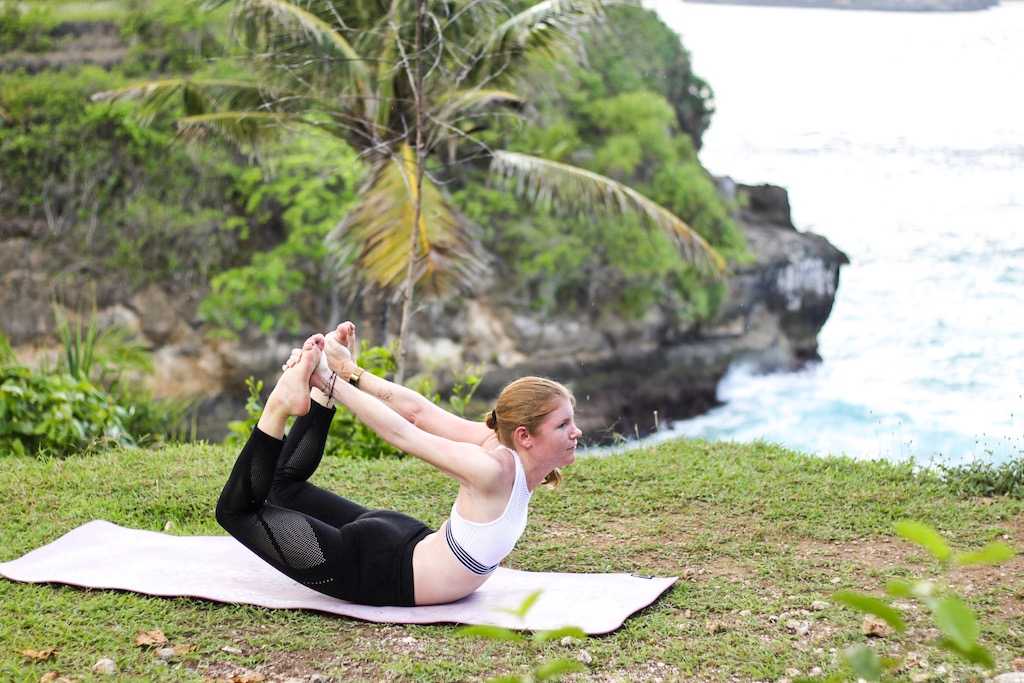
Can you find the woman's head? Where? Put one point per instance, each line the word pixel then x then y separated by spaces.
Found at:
pixel 536 414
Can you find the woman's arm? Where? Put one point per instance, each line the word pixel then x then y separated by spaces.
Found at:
pixel 408 403
pixel 421 412
pixel 463 461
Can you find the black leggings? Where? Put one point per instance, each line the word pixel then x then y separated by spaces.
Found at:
pixel 315 537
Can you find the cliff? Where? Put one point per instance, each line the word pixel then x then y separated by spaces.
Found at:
pixel 621 371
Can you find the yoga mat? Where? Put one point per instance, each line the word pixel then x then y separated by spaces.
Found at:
pixel 100 554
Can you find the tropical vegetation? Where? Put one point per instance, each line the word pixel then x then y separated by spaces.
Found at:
pixel 246 234
pixel 403 84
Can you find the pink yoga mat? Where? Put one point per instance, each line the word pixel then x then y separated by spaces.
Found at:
pixel 104 555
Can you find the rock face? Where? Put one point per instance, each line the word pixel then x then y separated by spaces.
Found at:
pixel 621 371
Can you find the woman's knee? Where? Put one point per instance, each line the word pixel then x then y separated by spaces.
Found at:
pixel 223 513
pixel 283 491
pixel 230 507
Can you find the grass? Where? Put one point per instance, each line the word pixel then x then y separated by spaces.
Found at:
pixel 755 532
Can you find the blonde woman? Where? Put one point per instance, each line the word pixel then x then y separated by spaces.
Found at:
pixel 383 557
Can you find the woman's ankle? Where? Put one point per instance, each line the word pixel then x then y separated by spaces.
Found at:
pixel 319 397
pixel 273 420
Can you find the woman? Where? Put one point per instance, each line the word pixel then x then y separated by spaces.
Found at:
pixel 381 557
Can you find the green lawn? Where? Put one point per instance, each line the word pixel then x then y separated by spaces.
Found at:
pixel 756 534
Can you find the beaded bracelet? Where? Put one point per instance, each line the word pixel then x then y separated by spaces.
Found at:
pixel 330 390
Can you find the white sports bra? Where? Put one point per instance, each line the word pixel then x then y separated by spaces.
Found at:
pixel 481 546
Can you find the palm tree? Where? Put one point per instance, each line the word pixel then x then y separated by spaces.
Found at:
pixel 402 81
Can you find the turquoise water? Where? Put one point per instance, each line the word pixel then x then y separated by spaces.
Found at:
pixel 900 137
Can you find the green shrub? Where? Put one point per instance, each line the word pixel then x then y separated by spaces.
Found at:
pixel 985 479
pixel 634 118
pixel 25 29
pixel 133 201
pixel 56 414
pixel 306 191
pixel 170 36
pixel 85 403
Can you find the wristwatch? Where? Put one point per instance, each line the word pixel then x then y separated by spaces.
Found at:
pixel 353 379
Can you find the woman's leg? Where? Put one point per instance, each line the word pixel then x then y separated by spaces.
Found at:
pixel 300 546
pixel 301 455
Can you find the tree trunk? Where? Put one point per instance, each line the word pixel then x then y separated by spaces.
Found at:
pixel 405 327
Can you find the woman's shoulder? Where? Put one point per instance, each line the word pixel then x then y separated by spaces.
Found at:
pixel 503 465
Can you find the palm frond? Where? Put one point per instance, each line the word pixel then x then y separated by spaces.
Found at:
pixel 561 185
pixel 243 128
pixel 459 101
pixel 198 96
pixel 544 27
pixel 146 89
pixel 373 241
pixel 257 16
pixel 378 109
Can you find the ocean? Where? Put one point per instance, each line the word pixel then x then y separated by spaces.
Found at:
pixel 900 137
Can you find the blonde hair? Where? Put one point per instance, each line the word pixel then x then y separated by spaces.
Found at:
pixel 525 403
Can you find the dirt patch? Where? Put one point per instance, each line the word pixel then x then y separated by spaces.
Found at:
pixel 980 580
pixel 729 569
pixel 295 666
pixel 877 556
pixel 872 554
pixel 664 544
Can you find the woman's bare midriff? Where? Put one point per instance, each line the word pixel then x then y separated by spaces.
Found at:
pixel 438 576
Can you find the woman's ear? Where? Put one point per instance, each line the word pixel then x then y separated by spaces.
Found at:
pixel 521 437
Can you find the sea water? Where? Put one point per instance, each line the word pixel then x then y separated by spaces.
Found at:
pixel 900 138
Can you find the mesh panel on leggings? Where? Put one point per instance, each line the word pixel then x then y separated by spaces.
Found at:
pixel 288 539
pixel 251 531
pixel 302 462
pixel 294 536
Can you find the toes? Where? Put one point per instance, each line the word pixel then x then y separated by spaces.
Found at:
pixel 310 355
pixel 316 340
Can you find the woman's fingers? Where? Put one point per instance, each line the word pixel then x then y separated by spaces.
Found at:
pixel 347 335
pixel 336 352
pixel 292 359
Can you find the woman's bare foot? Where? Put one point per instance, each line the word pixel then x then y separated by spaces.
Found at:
pixel 291 393
pixel 318 381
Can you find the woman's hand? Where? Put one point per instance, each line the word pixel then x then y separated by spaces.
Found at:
pixel 347 335
pixel 339 358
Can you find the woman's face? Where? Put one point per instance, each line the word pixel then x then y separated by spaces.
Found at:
pixel 557 435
